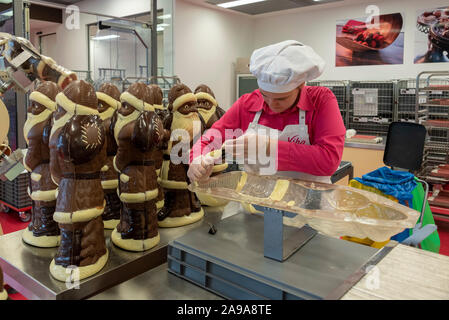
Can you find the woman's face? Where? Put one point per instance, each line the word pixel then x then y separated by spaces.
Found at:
pixel 279 102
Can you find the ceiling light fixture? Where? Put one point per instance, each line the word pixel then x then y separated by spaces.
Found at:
pixel 164 16
pixel 237 3
pixel 108 37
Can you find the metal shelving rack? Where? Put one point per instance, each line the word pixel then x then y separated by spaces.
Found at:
pixel 406 104
pixel 373 124
pixel 84 75
pixel 341 92
pixel 165 83
pixel 431 86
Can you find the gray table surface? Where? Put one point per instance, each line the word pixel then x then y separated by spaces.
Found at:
pixel 26 268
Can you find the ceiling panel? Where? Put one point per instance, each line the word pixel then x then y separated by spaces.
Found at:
pixel 271 5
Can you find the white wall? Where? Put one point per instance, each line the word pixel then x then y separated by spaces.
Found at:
pixel 207 44
pixel 316 26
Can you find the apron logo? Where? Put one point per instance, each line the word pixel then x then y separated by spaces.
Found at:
pixel 296 139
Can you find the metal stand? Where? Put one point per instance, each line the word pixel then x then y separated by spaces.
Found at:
pixel 275 246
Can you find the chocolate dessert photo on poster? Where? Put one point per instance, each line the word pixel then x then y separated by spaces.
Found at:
pixel 370 40
pixel 432 35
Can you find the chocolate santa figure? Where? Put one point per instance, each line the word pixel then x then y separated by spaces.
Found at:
pixel 42 231
pixel 137 131
pixel 77 140
pixel 210 112
pixel 181 206
pixel 158 154
pixel 207 105
pixel 3 293
pixel 108 102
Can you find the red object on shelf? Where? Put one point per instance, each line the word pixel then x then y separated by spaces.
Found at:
pixel 354 27
pixel 438 87
pixel 437 123
pixel 439 172
pixel 439 210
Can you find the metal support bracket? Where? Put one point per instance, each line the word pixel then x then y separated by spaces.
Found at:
pixel 276 245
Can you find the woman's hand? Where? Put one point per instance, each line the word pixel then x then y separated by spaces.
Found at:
pixel 200 169
pixel 250 148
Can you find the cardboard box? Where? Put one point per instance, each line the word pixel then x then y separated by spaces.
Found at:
pixel 242 66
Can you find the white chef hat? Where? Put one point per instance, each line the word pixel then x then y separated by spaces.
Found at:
pixel 283 66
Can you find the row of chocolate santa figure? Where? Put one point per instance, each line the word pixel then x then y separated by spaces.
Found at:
pixel 102 160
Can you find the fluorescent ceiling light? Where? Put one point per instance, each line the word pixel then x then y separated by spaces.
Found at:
pixel 7 13
pixel 163 24
pixel 110 36
pixel 164 16
pixel 237 3
pixel 159 28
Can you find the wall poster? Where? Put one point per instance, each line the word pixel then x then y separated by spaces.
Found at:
pixel 432 35
pixel 371 40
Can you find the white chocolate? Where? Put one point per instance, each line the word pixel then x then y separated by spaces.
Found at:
pixel 170 222
pixel 41 242
pixel 78 216
pixel 134 245
pixel 64 274
pixel 111 224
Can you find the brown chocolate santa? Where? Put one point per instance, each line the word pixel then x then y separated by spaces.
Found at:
pixel 137 131
pixel 181 206
pixel 108 102
pixel 210 112
pixel 3 293
pixel 77 141
pixel 42 231
pixel 158 154
pixel 207 105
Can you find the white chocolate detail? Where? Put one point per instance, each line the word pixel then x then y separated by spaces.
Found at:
pixel 170 222
pixel 104 168
pixel 206 96
pixel 279 190
pixel 138 197
pixel 171 184
pixel 182 100
pixel 242 182
pixel 3 294
pixel 36 176
pixel 108 113
pixel 57 124
pixel 111 224
pixel 114 104
pixel 134 245
pixel 207 114
pixel 109 184
pixel 40 195
pixel 124 178
pixel 135 102
pixel 33 120
pixel 42 241
pixel 41 98
pixel 78 216
pixel 74 108
pixel 114 165
pixel 61 273
pixel 219 167
pixel 160 204
pixel 123 121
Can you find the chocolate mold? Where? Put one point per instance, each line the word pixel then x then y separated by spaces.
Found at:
pixel 331 209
